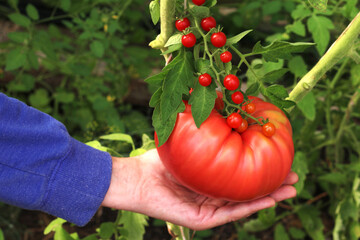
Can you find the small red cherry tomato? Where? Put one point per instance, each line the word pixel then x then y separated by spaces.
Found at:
pixel 250 108
pixel 234 120
pixel 182 24
pixel 226 57
pixel 205 79
pixel 218 39
pixel 268 129
pixel 198 2
pixel 208 23
pixel 243 126
pixel 231 82
pixel 188 40
pixel 237 97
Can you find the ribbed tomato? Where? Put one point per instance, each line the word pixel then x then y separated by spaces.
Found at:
pixel 219 162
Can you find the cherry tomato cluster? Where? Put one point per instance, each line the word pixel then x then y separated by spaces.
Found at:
pixel 231 82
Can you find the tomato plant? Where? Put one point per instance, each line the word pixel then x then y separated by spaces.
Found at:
pixel 205 79
pixel 226 57
pixel 225 160
pixel 237 97
pixel 231 82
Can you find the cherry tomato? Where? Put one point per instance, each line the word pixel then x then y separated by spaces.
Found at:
pixel 226 57
pixel 218 39
pixel 250 108
pixel 219 102
pixel 188 40
pixel 216 161
pixel 205 79
pixel 237 97
pixel 231 82
pixel 268 129
pixel 198 2
pixel 243 126
pixel 234 120
pixel 208 23
pixel 182 24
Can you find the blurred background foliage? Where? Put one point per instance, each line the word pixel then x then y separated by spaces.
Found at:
pixel 84 62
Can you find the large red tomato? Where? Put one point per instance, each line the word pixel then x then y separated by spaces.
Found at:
pixel 221 163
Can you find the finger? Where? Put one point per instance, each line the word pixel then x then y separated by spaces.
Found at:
pixel 291 179
pixel 235 212
pixel 284 192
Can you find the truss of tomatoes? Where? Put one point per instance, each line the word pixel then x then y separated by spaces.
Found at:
pixel 243 156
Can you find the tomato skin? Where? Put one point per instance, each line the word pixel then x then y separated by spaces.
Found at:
pixel 237 97
pixel 188 40
pixel 250 108
pixel 243 126
pixel 226 57
pixel 231 82
pixel 234 120
pixel 198 2
pixel 218 39
pixel 205 79
pixel 182 24
pixel 219 102
pixel 208 23
pixel 268 129
pixel 220 163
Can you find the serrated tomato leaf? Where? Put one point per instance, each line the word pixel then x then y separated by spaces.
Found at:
pixel 155 98
pixel 237 38
pixel 202 101
pixel 274 76
pixel 176 83
pixel 280 49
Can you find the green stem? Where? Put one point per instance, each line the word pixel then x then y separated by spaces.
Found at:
pixel 340 48
pixel 167 18
pixel 353 101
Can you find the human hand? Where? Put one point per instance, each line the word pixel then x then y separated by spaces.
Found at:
pixel 142 184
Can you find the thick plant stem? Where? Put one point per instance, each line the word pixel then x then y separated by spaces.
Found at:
pixel 340 49
pixel 167 20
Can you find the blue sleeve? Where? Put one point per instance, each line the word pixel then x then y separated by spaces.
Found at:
pixel 43 168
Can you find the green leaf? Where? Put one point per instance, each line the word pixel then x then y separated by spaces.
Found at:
pixel 301 11
pixel 97 48
pixel 33 59
pixel 26 84
pixel 308 106
pixel 107 229
pixel 277 95
pixel 119 137
pixel 18 37
pixel 202 101
pixel 65 5
pixel 155 99
pixel 32 12
pixel 210 3
pixel 320 5
pixel 334 177
pixel 298 66
pixel 54 224
pixel 310 218
pixel 266 218
pixel 271 7
pixel 64 97
pixel 154 7
pixel 237 38
pixel 176 83
pixel 62 234
pixel 280 233
pixel 97 145
pixel 174 39
pixel 297 27
pixel 20 19
pixel 300 167
pixel 280 49
pixel 164 129
pixel 1 235
pixel 137 152
pixel 172 48
pixel 147 143
pixel 134 223
pixel 319 27
pixel 39 98
pixel 253 89
pixel 15 59
pixel 274 76
pixel 200 12
pixel 296 233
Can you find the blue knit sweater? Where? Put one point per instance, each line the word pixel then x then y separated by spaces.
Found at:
pixel 43 168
